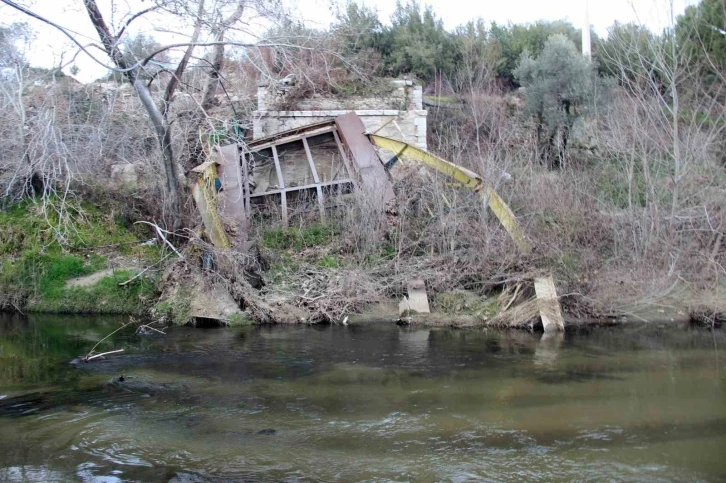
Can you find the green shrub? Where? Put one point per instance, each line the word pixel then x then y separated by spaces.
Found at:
pixel 329 262
pixel 298 238
pixel 240 320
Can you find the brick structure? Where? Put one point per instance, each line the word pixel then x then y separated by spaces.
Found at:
pixel 401 112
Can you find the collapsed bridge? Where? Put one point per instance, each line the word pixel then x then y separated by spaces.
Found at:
pixel 308 168
pixel 283 175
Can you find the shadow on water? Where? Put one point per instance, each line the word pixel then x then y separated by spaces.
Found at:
pixel 372 402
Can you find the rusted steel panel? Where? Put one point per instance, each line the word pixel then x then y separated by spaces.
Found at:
pixel 368 167
pixel 231 199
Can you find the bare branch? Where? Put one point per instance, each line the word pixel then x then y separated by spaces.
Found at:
pixel 174 81
pixel 134 17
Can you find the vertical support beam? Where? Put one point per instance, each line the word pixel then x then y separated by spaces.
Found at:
pixel 281 186
pixel 316 178
pixel 548 303
pixel 346 161
pixel 246 184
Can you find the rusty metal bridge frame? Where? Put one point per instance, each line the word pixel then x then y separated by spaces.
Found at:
pixel 231 207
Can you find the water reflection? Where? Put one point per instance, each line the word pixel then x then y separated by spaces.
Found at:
pixel 374 402
pixel 548 348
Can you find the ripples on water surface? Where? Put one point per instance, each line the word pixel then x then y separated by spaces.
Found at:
pixel 360 403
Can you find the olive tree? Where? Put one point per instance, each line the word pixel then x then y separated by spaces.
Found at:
pixel 559 86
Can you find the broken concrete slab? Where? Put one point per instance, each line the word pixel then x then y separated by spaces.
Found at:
pixel 418 301
pixel 549 304
pixel 213 303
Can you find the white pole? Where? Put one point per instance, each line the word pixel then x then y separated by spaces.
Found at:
pixel 586 48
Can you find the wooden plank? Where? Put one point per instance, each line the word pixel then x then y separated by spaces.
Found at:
pixel 246 184
pixel 279 141
pixel 304 187
pixel 230 200
pixel 343 155
pixel 281 184
pixel 549 304
pixel 321 202
pixel 316 178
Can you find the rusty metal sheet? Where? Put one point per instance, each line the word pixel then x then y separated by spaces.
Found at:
pixel 231 200
pixel 367 166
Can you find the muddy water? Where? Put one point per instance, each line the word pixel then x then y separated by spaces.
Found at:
pixel 365 403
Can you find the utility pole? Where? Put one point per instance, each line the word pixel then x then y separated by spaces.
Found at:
pixel 586 47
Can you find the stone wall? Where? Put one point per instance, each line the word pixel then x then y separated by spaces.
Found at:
pixel 401 112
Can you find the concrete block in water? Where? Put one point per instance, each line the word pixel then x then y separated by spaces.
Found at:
pixel 418 301
pixel 549 305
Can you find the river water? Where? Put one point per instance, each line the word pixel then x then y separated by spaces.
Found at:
pixel 360 403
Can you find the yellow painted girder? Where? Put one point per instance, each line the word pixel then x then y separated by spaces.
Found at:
pixel 466 177
pixel 205 197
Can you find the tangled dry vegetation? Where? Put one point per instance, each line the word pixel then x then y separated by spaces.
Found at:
pixel 605 225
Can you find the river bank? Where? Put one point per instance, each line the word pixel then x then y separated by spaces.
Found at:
pixel 83 259
pixel 100 262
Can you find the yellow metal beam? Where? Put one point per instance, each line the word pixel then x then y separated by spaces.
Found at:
pixel 467 178
pixel 205 196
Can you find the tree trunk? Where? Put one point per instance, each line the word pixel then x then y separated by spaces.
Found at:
pixel 161 126
pixel 210 91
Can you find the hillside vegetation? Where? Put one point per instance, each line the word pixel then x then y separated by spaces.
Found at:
pixel 615 165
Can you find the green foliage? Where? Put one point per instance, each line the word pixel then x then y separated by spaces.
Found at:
pixel 701 34
pixel 614 186
pixel 177 309
pixel 513 40
pixel 628 52
pixel 329 262
pixel 240 320
pixel 359 29
pixel 559 83
pixel 105 296
pixel 418 42
pixel 298 238
pixel 40 252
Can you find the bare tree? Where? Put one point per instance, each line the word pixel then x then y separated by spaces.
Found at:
pixel 665 126
pixel 157 117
